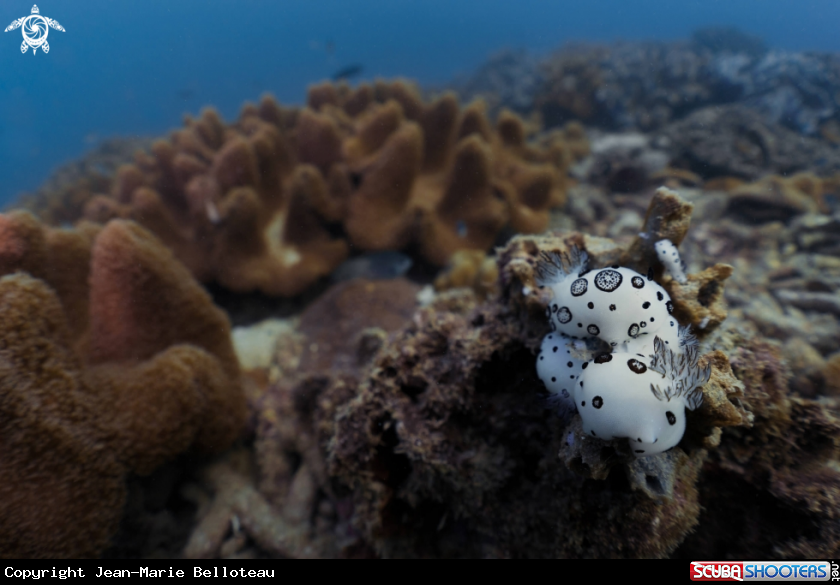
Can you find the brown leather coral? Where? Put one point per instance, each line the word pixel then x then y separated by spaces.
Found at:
pixel 148 373
pixel 277 200
pixel 434 176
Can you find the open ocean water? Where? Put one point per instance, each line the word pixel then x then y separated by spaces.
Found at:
pixel 133 68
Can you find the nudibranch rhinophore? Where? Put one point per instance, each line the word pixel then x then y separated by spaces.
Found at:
pixel 616 354
pixel 669 256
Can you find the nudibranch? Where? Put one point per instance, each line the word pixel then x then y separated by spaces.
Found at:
pixel 616 354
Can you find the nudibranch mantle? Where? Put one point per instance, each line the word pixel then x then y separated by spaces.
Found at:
pixel 616 354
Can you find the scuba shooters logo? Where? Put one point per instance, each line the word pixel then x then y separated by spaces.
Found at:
pixel 35 29
pixel 763 571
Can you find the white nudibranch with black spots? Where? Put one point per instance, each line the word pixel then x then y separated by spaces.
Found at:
pixel 669 256
pixel 559 364
pixel 617 305
pixel 616 354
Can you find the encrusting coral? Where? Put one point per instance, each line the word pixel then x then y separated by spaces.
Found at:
pixel 279 198
pixel 114 361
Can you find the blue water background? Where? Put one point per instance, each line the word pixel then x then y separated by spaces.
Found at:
pixel 131 67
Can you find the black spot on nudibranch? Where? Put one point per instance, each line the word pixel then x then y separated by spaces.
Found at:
pixel 569 364
pixel 554 308
pixel 579 287
pixel 608 280
pixel 633 331
pixel 590 305
pixel 670 306
pixel 593 330
pixel 597 402
pixel 659 296
pixel 672 419
pixel 603 358
pixel 637 282
pixel 553 379
pixel 645 305
pixel 642 324
pixel 636 366
pixel 612 307
pixel 583 403
pixel 564 315
pixel 639 451
pixel 583 366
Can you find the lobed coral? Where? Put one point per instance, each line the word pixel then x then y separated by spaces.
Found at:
pixel 279 198
pixel 114 361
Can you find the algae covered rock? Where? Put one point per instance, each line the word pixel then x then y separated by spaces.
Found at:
pixel 450 449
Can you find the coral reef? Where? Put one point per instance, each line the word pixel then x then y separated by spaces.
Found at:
pixel 400 408
pixel 62 197
pixel 727 39
pixel 115 361
pixel 647 85
pixel 276 200
pixel 794 89
pixel 622 162
pixel 736 141
pixel 509 77
pixel 626 85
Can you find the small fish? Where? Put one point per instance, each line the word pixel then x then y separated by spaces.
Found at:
pixel 461 228
pixel 373 266
pixel 347 72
